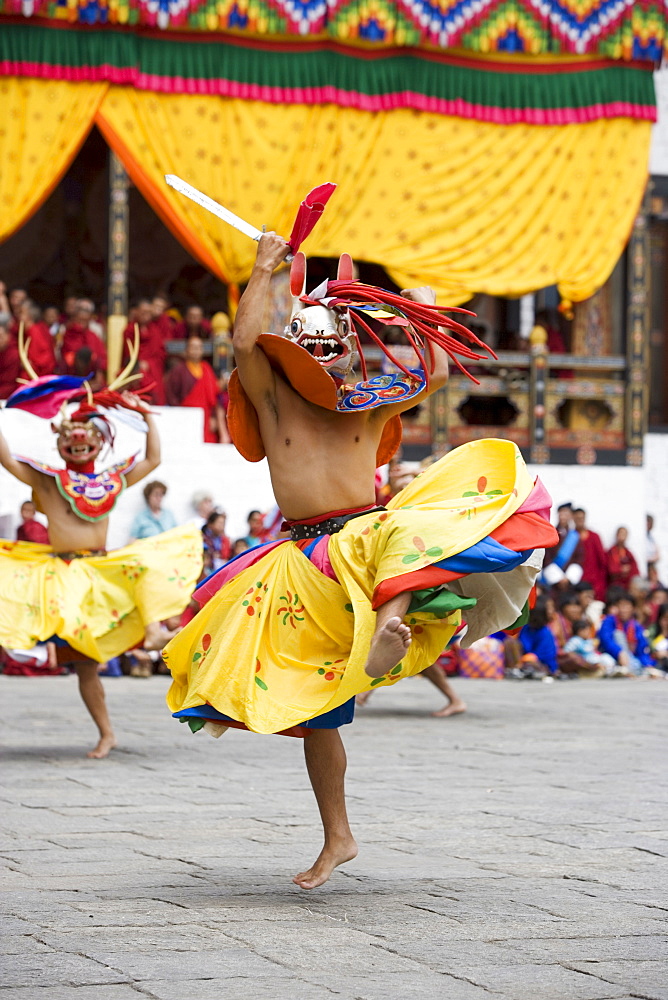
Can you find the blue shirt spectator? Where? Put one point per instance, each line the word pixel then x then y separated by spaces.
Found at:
pixel 623 637
pixel 540 642
pixel 153 520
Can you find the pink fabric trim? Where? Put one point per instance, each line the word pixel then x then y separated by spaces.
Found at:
pixel 539 500
pixel 332 95
pixel 399 99
pixel 227 573
pixel 320 558
pixel 74 74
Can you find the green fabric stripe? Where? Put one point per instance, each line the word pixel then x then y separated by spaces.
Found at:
pixel 437 602
pixel 214 60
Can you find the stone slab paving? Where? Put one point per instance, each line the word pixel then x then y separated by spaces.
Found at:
pixel 516 852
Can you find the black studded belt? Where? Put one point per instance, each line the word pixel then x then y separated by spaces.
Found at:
pixel 330 526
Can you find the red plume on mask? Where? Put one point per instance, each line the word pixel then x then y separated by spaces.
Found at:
pixel 309 213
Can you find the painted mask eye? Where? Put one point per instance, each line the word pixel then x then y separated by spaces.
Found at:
pixel 344 327
pixel 296 327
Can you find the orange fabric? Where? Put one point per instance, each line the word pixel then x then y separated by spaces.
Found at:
pixel 158 199
pixel 307 378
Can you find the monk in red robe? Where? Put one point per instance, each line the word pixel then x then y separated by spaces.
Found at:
pixel 590 554
pixel 31 530
pixel 38 340
pixel 193 383
pixel 10 363
pixel 78 334
pixel 622 565
pixel 152 351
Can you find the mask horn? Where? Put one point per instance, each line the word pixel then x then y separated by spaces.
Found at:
pixel 298 275
pixel 345 270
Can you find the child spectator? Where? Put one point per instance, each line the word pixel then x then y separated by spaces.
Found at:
pixel 582 645
pixel 659 639
pixel 217 545
pixel 256 533
pixel 240 545
pixel 623 637
pixel 538 645
pixel 591 609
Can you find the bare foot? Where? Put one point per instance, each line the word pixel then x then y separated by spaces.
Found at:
pixel 454 708
pixel 361 699
pixel 388 647
pixel 106 743
pixel 328 859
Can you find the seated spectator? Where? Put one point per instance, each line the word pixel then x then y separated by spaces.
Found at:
pixel 217 545
pixel 152 352
pixel 37 339
pixel 79 333
pixel 256 533
pixel 192 382
pixel 193 325
pixel 582 645
pixel 203 506
pixel 659 639
pixel 622 566
pixel 591 609
pixel 154 519
pixel 240 545
pixel 623 638
pixel 30 529
pixel 10 363
pixel 653 604
pixel 538 645
pixel 561 622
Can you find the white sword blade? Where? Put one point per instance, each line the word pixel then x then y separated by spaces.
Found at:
pixel 212 206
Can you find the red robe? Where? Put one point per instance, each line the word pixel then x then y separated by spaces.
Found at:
pixel 77 337
pixel 32 531
pixel 590 554
pixel 622 567
pixel 41 354
pixel 188 385
pixel 152 355
pixel 10 369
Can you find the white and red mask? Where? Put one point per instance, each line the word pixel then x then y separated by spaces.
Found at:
pixel 324 331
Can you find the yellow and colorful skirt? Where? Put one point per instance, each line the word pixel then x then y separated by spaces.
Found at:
pixel 284 632
pixel 97 604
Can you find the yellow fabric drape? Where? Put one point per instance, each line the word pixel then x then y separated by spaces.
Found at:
pixel 461 205
pixel 42 125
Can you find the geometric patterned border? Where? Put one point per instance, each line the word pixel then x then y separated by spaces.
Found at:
pixel 612 29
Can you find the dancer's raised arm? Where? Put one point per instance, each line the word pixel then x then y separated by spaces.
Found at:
pixel 20 470
pixel 255 371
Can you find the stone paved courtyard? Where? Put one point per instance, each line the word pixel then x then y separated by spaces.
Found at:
pixel 516 852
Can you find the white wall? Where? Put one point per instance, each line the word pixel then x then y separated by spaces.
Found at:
pixel 612 495
pixel 658 159
pixel 188 465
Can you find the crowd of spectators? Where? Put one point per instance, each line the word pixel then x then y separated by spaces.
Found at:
pixel 70 341
pixel 597 614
